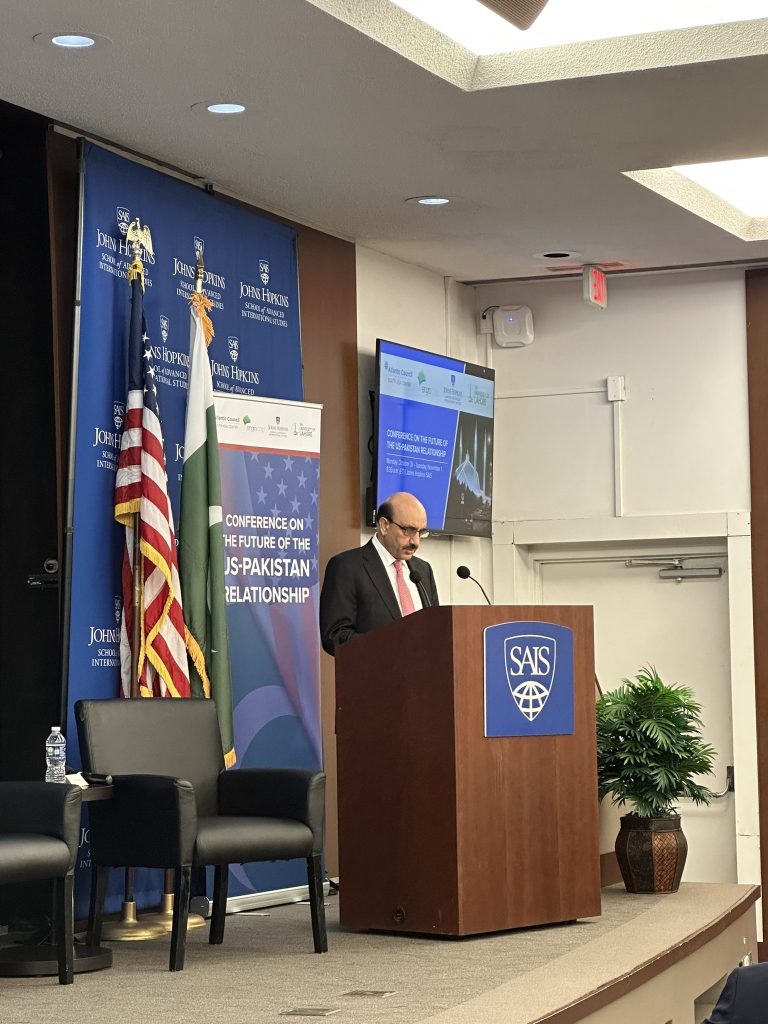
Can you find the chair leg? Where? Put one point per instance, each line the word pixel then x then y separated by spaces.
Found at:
pixel 219 912
pixel 317 903
pixel 99 876
pixel 65 928
pixel 180 918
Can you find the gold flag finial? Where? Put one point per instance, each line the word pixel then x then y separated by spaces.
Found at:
pixel 139 238
pixel 200 301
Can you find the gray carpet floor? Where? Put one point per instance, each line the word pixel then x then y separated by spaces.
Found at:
pixel 266 965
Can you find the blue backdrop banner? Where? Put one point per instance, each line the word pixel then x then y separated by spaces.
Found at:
pixel 251 278
pixel 270 467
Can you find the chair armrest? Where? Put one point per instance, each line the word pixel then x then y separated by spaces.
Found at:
pixel 42 808
pixel 151 821
pixel 275 793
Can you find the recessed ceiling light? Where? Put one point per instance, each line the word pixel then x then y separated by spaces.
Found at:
pixel 225 108
pixel 429 200
pixel 73 41
pixel 556 254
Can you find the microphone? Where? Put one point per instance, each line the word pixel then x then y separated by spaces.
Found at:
pixel 415 577
pixel 463 573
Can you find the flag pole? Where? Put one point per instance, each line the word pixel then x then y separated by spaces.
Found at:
pixel 129 926
pixel 164 916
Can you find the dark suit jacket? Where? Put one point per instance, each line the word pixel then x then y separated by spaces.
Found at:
pixel 744 1000
pixel 357 595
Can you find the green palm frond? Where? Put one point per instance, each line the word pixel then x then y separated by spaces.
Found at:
pixel 649 745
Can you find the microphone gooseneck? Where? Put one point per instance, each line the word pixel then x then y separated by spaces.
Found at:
pixel 463 573
pixel 415 577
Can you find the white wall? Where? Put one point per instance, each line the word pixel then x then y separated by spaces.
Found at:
pixel 680 342
pixel 406 304
pixel 670 464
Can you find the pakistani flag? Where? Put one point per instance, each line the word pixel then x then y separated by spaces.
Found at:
pixel 201 537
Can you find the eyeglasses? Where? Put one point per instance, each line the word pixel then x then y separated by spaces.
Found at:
pixel 409 531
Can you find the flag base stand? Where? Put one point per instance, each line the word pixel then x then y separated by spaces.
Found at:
pixel 129 927
pixel 164 916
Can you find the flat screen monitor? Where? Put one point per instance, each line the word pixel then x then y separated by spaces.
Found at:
pixel 433 436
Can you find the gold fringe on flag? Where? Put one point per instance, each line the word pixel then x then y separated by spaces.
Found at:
pixel 202 304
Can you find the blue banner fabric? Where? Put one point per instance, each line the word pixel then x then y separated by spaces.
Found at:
pixel 251 278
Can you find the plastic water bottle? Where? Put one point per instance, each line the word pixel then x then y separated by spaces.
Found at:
pixel 55 756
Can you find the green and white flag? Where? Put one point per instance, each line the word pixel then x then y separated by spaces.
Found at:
pixel 201 537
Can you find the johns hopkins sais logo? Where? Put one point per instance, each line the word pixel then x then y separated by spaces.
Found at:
pixel 118 414
pixel 530 665
pixel 165 327
pixel 123 215
pixel 528 679
pixel 264 271
pixel 234 345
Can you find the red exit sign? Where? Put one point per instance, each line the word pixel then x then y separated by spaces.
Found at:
pixel 595 287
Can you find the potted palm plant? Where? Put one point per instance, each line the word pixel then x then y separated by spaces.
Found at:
pixel 649 754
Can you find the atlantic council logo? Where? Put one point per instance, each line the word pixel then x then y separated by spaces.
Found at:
pixel 123 215
pixel 118 414
pixel 233 344
pixel 529 661
pixel 264 271
pixel 165 327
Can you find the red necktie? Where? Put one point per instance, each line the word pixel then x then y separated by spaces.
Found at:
pixel 406 601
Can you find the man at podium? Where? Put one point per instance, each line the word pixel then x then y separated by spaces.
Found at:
pixel 381 581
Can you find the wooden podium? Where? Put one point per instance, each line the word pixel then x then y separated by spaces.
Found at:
pixel 445 832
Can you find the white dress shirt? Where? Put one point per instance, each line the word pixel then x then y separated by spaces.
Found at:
pixel 389 565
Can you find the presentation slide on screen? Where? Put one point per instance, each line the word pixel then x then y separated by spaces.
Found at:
pixel 435 436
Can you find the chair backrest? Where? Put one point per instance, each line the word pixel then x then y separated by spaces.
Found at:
pixel 154 737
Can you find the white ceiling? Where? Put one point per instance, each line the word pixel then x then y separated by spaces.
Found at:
pixel 341 127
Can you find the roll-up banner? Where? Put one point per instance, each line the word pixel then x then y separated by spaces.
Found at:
pixel 270 468
pixel 251 278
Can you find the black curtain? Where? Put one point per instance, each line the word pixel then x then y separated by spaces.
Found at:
pixel 29 631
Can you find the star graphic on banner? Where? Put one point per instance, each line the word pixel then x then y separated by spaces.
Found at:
pixel 288 463
pixel 268 471
pixel 261 494
pixel 308 520
pixel 307 458
pixel 295 505
pixel 254 456
pixel 281 488
pixel 275 510
pixel 313 560
pixel 313 496
pixel 302 480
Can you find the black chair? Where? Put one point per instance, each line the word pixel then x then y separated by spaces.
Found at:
pixel 39 833
pixel 175 806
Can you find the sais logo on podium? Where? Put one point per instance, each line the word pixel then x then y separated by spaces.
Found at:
pixel 528 679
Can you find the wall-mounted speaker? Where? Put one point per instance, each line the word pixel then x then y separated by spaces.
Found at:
pixel 512 326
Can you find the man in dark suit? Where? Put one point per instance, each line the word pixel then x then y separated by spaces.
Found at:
pixel 381 581
pixel 744 1000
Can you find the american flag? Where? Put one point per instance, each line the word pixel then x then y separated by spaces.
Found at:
pixel 142 488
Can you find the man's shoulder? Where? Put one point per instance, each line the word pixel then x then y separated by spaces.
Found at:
pixel 352 557
pixel 421 564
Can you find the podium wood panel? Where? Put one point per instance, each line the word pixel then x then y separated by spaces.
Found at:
pixel 443 831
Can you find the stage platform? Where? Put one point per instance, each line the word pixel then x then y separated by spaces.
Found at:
pixel 647 960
